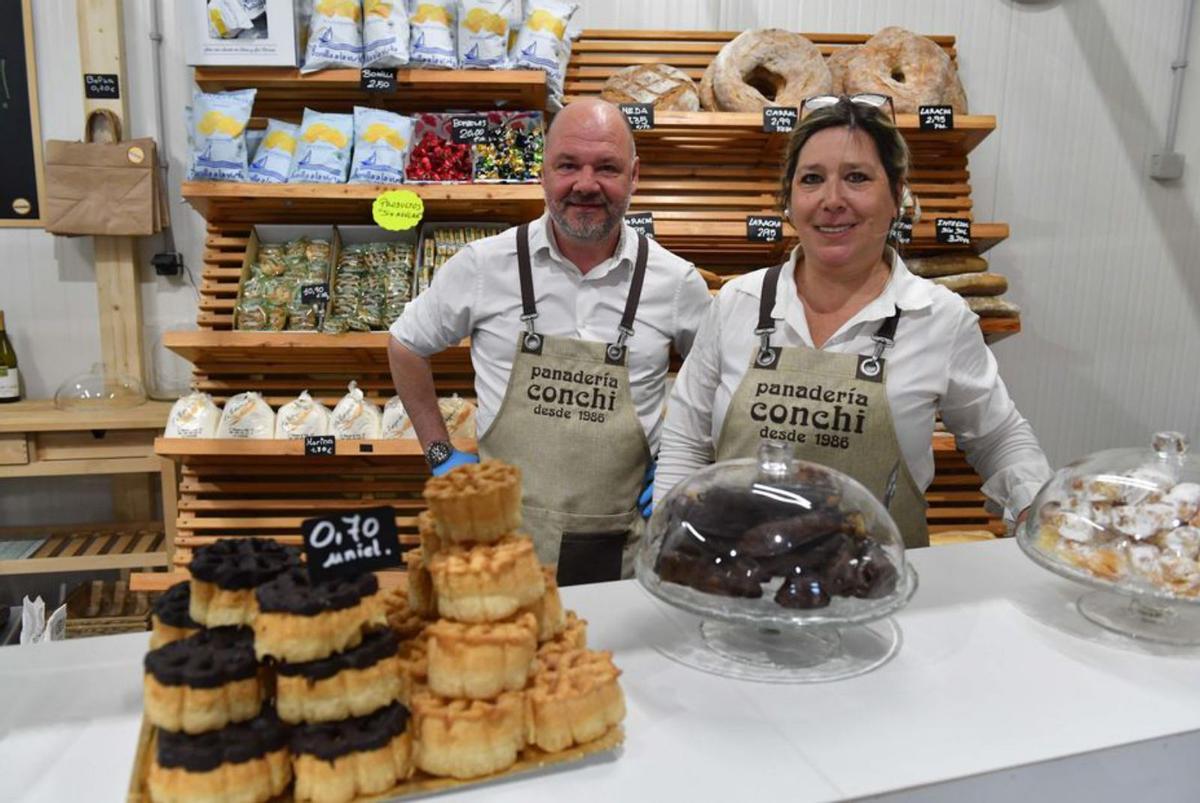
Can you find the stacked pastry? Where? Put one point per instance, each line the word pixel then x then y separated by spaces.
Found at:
pixel 503 666
pixel 269 677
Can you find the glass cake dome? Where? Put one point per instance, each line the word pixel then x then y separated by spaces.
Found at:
pixel 1127 523
pixel 786 563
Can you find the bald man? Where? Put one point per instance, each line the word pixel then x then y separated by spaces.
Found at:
pixel 571 319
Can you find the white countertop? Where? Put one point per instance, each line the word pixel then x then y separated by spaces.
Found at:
pixel 1001 691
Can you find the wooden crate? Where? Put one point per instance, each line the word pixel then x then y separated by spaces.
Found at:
pixel 101 608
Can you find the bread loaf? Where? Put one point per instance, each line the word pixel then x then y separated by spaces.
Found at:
pixel 974 284
pixel 660 85
pixel 992 307
pixel 837 63
pixel 945 265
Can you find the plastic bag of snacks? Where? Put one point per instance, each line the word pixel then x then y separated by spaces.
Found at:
pixel 381 141
pixel 323 151
pixel 193 416
pixel 432 36
pixel 272 162
pixel 396 423
pixel 542 36
pixel 512 148
pixel 334 35
pixel 436 157
pixel 247 415
pixel 442 242
pixel 458 415
pixel 355 418
pixel 483 34
pixel 385 33
pixel 372 284
pixel 271 295
pixel 227 19
pixel 255 8
pixel 302 417
pixel 218 141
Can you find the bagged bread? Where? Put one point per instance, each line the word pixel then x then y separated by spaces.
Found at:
pixel 385 33
pixel 218 135
pixel 272 161
pixel 247 415
pixel 543 43
pixel 381 145
pixel 483 34
pixel 396 423
pixel 459 415
pixel 193 416
pixel 334 35
pixel 304 416
pixel 431 42
pixel 323 151
pixel 355 418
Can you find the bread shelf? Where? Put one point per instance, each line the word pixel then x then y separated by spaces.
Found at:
pixel 369 450
pixel 41 415
pixel 283 92
pixel 91 547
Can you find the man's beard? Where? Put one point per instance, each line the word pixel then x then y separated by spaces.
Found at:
pixel 589 231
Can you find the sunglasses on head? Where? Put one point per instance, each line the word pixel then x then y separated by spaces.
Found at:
pixel 870 99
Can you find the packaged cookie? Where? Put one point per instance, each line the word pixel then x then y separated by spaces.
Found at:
pixel 483 34
pixel 334 35
pixel 385 33
pixel 323 152
pixel 432 34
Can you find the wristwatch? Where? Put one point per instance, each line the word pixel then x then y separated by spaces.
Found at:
pixel 437 453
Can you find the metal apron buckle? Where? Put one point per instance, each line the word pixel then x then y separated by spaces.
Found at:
pixel 531 341
pixel 766 357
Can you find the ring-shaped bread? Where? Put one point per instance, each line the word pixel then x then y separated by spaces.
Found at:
pixel 768 67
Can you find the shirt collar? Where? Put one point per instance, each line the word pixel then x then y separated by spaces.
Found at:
pixel 541 238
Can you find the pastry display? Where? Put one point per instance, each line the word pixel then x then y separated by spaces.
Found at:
pixel 548 611
pixel 664 87
pixel 421 597
pixel 479 661
pixel 574 698
pixel 405 622
pixel 353 683
pixel 476 503
pixel 468 738
pixel 336 762
pixel 767 67
pixel 912 70
pixel 204 682
pixel 247 762
pixel 170 617
pixel 300 621
pixel 225 574
pixel 489 582
pixel 431 539
pixel 414 665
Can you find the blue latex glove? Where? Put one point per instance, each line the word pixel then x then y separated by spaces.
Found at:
pixel 646 500
pixel 457 459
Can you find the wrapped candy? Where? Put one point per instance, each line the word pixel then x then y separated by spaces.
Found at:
pixel 512 148
pixel 436 157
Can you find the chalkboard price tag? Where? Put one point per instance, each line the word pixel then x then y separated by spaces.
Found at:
pixel 953 231
pixel 319 446
pixel 351 542
pixel 642 223
pixel 902 230
pixel 314 293
pixel 639 115
pixel 935 118
pixel 764 228
pixel 101 86
pixel 468 130
pixel 780 119
pixel 371 80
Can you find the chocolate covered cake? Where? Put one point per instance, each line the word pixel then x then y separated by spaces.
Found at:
pixel 203 682
pixel 225 574
pixel 338 761
pixel 300 621
pixel 353 683
pixel 170 618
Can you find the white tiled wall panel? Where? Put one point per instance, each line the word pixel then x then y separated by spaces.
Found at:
pixel 1104 261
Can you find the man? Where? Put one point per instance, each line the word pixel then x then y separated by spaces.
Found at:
pixel 571 320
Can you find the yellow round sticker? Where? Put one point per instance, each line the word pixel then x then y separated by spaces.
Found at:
pixel 398 210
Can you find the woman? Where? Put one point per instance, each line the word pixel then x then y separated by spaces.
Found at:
pixel 841 351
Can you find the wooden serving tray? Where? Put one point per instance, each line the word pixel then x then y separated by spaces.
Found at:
pixel 531 760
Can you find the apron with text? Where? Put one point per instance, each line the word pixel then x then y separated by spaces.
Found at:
pixel 569 423
pixel 833 408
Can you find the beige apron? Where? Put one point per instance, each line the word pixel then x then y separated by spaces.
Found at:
pixel 833 408
pixel 569 423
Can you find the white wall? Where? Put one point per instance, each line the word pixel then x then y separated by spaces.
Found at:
pixel 1100 258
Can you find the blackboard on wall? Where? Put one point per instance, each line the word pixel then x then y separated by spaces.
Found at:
pixel 20 134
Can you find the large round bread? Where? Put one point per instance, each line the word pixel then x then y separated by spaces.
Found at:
pixel 837 63
pixel 768 67
pixel 661 85
pixel 707 101
pixel 911 69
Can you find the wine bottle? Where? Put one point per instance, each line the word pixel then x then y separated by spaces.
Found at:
pixel 10 378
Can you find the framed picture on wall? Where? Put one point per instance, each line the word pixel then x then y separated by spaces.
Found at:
pixel 20 134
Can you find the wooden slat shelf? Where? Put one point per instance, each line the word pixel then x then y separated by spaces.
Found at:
pixel 41 415
pixel 92 547
pixel 283 92
pixel 368 450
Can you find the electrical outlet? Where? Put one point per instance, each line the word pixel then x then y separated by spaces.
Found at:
pixel 167 263
pixel 1166 166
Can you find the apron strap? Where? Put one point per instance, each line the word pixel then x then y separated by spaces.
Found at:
pixel 616 351
pixel 767 356
pixel 532 341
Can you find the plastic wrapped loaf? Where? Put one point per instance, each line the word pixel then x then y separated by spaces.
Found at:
pixel 483 34
pixel 334 35
pixel 194 416
pixel 355 418
pixel 458 415
pixel 431 42
pixel 247 415
pixel 385 33
pixel 302 417
pixel 396 423
pixel 218 135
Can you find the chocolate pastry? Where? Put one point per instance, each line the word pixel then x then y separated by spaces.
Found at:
pixel 728 577
pixel 234 744
pixel 293 592
pixel 240 563
pixel 376 646
pixel 206 660
pixel 802 590
pixel 332 740
pixel 170 616
pixel 725 513
pixel 793 534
